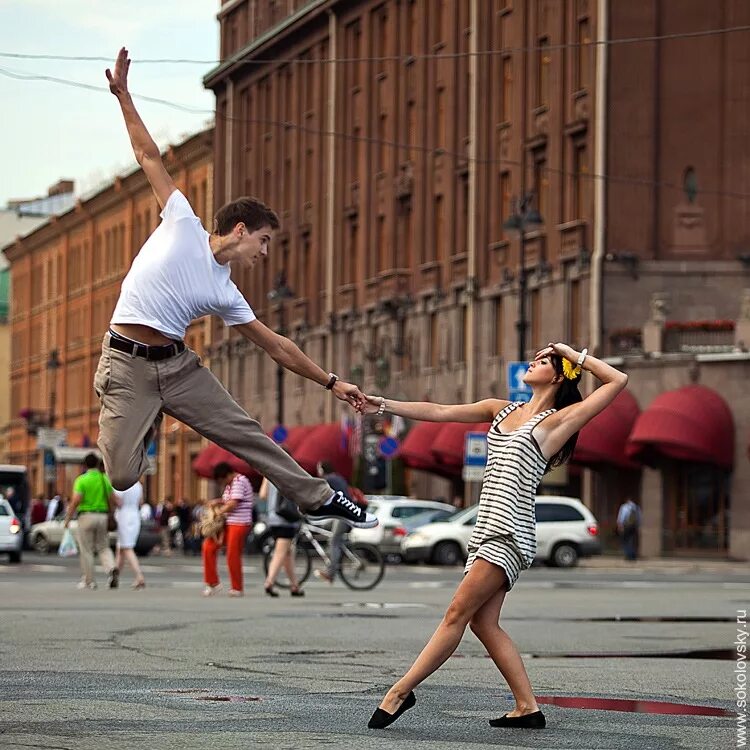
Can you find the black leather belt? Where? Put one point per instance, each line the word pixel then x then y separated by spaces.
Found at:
pixel 151 353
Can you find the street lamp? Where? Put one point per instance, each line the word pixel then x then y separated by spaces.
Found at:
pixel 523 219
pixel 53 364
pixel 280 293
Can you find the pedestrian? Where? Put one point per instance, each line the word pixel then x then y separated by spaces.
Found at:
pixel 92 498
pixel 38 510
pixel 128 516
pixel 184 514
pixel 628 527
pixel 524 441
pixel 339 529
pixel 180 274
pixel 163 514
pixel 283 530
pixel 146 512
pixel 53 508
pixel 236 505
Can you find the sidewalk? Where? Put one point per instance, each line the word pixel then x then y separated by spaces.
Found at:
pixel 667 564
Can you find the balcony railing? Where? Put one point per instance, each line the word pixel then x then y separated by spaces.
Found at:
pixel 699 337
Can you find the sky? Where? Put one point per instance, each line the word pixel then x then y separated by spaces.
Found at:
pixel 50 131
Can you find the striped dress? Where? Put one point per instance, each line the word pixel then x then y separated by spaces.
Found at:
pixel 505 530
pixel 242 491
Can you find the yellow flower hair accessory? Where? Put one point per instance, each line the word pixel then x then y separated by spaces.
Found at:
pixel 570 370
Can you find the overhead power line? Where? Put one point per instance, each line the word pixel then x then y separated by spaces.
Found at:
pixel 384 58
pixel 287 125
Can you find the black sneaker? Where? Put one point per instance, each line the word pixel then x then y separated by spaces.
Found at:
pixel 341 508
pixel 114 578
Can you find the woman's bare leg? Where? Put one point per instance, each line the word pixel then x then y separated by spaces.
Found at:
pixel 290 571
pixel 481 583
pixel 132 560
pixel 118 557
pixel 280 554
pixel 504 653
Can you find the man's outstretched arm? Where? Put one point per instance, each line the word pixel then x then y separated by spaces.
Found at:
pixel 286 353
pixel 146 151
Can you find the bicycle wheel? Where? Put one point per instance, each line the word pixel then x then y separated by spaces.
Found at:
pixel 302 565
pixel 362 566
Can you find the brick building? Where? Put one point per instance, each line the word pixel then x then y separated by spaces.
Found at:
pixel 393 236
pixel 66 278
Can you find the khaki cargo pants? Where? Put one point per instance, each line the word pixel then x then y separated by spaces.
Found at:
pixel 133 391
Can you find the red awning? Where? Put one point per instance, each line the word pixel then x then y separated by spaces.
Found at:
pixel 296 436
pixel 602 441
pixel 448 445
pixel 690 424
pixel 213 455
pixel 324 442
pixel 416 450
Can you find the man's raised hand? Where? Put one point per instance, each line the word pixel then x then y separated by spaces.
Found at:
pixel 118 81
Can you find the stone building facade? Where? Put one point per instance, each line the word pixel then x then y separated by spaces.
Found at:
pixel 394 137
pixel 66 278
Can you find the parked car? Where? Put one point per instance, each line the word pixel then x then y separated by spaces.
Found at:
pixel 46 536
pixel 392 512
pixel 11 532
pixel 566 530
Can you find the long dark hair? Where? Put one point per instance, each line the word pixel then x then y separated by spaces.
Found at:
pixel 566 395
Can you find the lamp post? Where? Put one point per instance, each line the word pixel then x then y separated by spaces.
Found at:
pixel 53 364
pixel 522 220
pixel 279 294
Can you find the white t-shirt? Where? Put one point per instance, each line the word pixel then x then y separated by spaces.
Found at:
pixel 175 278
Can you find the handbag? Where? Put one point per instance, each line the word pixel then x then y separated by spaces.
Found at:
pixel 287 509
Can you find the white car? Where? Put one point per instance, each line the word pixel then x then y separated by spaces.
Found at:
pixel 566 530
pixel 46 536
pixel 391 511
pixel 11 533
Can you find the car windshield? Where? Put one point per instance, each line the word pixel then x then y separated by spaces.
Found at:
pixel 429 516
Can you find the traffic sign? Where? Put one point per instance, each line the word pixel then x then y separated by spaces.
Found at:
pixel 46 437
pixel 388 446
pixel 517 389
pixel 475 456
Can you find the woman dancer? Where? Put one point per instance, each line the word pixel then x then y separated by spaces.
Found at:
pixel 128 516
pixel 524 441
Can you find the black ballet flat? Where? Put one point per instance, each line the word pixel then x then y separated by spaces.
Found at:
pixel 382 719
pixel 296 592
pixel 529 721
pixel 270 591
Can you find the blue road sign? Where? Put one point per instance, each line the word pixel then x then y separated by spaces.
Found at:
pixel 388 446
pixel 280 433
pixel 516 395
pixel 516 372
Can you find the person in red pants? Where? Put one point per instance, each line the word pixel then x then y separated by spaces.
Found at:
pixel 236 505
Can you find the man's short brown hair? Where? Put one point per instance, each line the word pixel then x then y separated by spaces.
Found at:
pixel 254 214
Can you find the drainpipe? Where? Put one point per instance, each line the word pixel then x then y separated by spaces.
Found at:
pixel 600 186
pixel 331 206
pixel 471 240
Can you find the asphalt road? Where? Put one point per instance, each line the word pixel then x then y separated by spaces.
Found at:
pixel 166 668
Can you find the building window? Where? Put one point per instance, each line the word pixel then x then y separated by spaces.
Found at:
pixel 434 341
pixel 442 136
pixel 497 322
pixel 535 309
pixel 461 333
pixel 583 54
pixel 439 240
pixel 574 313
pixel 507 83
pixel 543 72
pixel 541 182
pixel 381 243
pixel 580 181
pixel 504 188
pixel 350 256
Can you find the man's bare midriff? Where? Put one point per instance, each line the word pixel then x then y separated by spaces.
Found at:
pixel 144 334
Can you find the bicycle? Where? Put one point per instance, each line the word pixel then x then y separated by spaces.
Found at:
pixel 362 565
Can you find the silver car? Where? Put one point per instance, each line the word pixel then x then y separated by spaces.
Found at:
pixel 11 532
